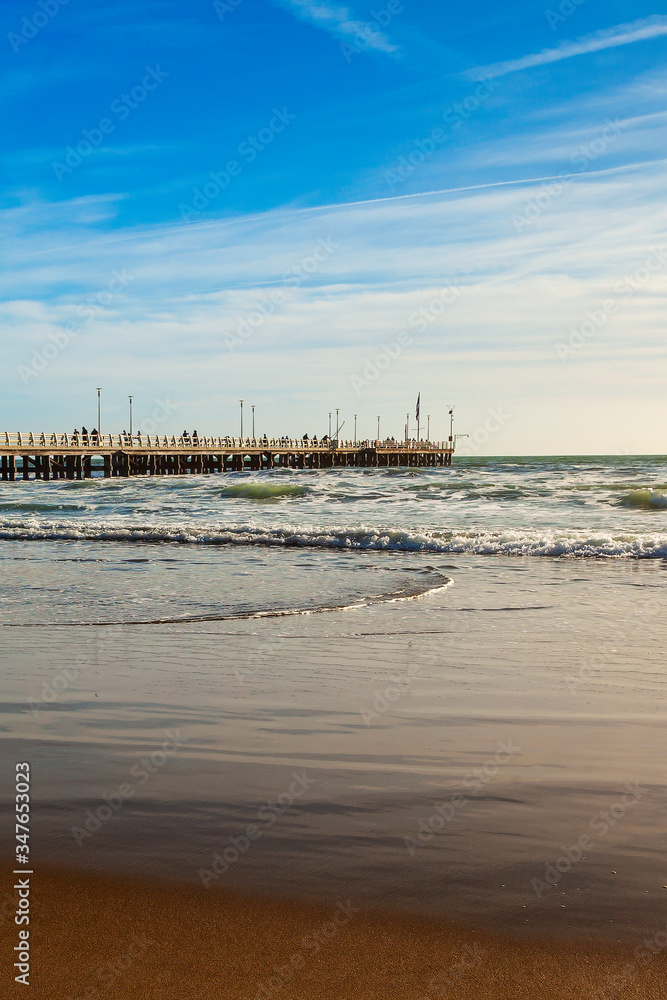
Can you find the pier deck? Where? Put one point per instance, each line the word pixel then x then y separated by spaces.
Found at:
pixel 25 456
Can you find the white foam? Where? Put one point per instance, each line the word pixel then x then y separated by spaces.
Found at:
pixel 360 537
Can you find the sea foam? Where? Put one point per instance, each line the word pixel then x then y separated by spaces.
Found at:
pixel 360 537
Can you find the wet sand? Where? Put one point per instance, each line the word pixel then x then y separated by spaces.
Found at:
pixel 102 937
pixel 447 751
pixel 519 700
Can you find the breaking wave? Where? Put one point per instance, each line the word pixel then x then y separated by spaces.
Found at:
pixel 646 500
pixel 358 538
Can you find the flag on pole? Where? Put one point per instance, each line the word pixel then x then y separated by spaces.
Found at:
pixel 417 409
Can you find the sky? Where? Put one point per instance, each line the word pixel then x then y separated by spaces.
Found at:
pixel 313 205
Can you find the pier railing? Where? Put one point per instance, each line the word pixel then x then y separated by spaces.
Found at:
pixel 119 442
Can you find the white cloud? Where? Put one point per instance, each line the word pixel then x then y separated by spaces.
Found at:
pixel 340 22
pixel 621 34
pixel 523 293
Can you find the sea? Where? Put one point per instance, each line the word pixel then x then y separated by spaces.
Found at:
pixel 440 691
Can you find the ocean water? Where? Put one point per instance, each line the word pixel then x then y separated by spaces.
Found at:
pixel 465 666
pixel 146 549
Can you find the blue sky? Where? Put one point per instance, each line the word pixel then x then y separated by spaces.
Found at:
pixel 314 205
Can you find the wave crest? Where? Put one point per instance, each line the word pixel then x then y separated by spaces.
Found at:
pixel 361 538
pixel 646 500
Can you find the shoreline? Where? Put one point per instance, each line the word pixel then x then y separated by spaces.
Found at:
pixel 95 936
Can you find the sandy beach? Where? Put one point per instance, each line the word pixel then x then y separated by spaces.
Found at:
pixel 100 937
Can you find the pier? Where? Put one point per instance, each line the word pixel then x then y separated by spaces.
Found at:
pixel 30 456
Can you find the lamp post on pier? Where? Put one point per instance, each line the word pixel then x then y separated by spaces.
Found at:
pixel 130 399
pixel 241 402
pixel 378 428
pixel 253 422
pixel 99 411
pixel 428 428
pixel 330 427
pixel 355 428
pixel 336 425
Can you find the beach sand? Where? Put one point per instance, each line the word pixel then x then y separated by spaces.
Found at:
pixel 514 690
pixel 101 937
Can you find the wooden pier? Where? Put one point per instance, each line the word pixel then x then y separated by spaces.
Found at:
pixel 26 456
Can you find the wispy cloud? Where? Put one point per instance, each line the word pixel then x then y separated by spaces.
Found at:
pixel 191 287
pixel 621 34
pixel 339 22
